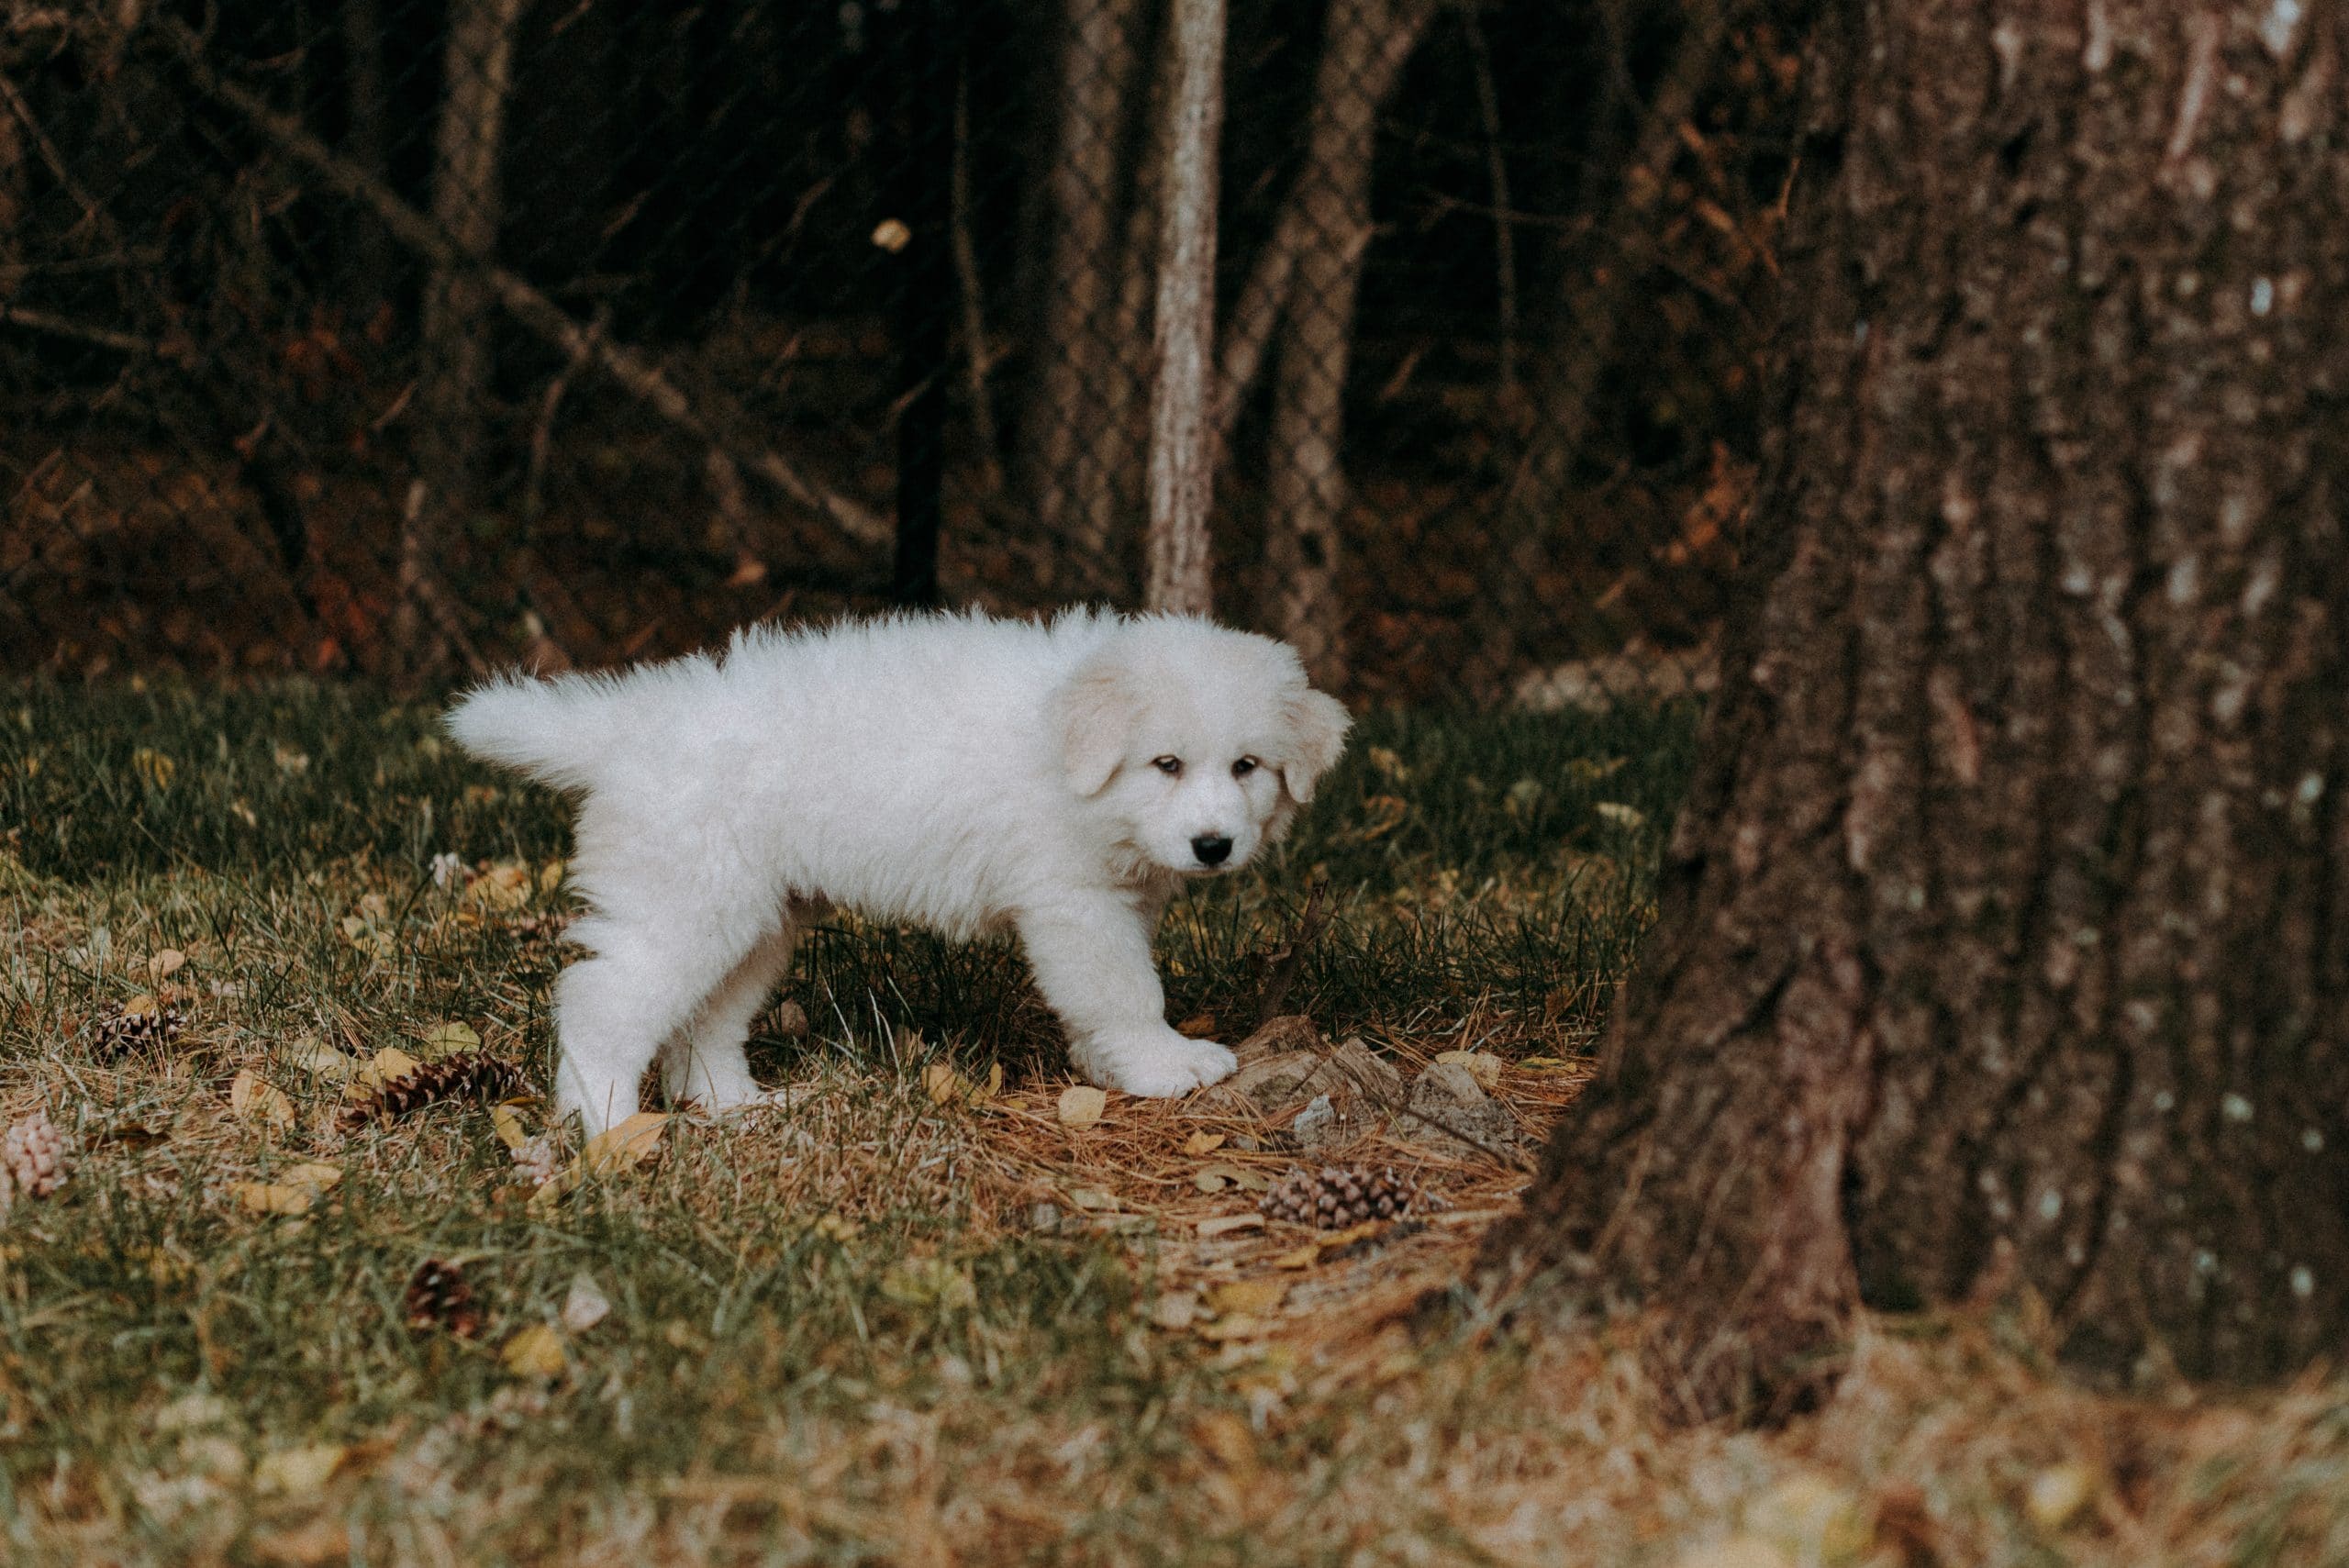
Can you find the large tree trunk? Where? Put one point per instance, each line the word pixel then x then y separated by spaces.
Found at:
pixel 1998 945
pixel 1366 44
pixel 1182 448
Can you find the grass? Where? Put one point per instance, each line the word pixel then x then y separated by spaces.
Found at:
pixel 910 1320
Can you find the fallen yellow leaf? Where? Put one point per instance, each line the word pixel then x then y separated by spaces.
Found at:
pixel 1203 1143
pixel 1225 1224
pixel 624 1146
pixel 153 766
pixel 617 1148
pixel 1626 817
pixel 1350 1235
pixel 1303 1258
pixel 299 1187
pixel 1238 1175
pixel 1813 1518
pixel 536 1352
pixel 383 1067
pixel 251 1095
pixel 943 1084
pixel 1734 1552
pixel 298 1471
pixel 508 1123
pixel 166 963
pixel 450 1037
pixel 1248 1295
pixel 1081 1104
pixel 273 1197
pixel 1175 1311
pixel 1481 1066
pixel 2057 1493
pixel 1226 1436
pixel 310 1054
pixel 925 1282
pixel 506 885
pixel 1233 1326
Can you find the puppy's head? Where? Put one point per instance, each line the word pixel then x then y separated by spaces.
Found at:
pixel 1198 742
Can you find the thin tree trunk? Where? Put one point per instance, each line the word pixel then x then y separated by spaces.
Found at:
pixel 1600 286
pixel 467 204
pixel 1101 71
pixel 1345 91
pixel 15 199
pixel 978 360
pixel 1308 482
pixel 1181 454
pixel 1489 110
pixel 368 262
pixel 2000 943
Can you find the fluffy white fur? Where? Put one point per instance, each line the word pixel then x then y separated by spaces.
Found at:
pixel 952 771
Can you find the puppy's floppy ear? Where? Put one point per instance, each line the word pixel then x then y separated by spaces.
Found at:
pixel 1318 723
pixel 1093 716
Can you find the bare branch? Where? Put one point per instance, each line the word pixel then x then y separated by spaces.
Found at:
pixel 62 326
pixel 631 370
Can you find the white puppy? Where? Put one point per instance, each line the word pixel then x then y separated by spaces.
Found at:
pixel 951 771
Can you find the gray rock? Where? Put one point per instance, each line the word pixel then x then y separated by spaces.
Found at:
pixel 1450 1114
pixel 1310 1121
pixel 1345 1091
pixel 1277 1036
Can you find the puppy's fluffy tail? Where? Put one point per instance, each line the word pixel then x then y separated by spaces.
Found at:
pixel 552 731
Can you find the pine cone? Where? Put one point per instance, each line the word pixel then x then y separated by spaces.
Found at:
pixel 118 1033
pixel 439 1296
pixel 1336 1196
pixel 34 1151
pixel 465 1075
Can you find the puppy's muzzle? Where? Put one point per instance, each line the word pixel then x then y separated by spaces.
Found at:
pixel 1211 849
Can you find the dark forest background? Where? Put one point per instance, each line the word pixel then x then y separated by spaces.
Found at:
pixel 396 338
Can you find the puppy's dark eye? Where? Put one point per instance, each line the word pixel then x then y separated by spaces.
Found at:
pixel 1171 766
pixel 1243 768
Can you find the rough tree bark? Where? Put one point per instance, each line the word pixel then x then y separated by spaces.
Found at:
pixel 468 206
pixel 1366 44
pixel 1182 449
pixel 2000 943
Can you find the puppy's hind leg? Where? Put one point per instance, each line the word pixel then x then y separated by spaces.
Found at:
pixel 704 1063
pixel 612 1012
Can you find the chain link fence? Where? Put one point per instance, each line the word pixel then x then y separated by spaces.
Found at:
pixel 400 337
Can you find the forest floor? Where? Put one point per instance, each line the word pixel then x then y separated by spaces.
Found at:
pixel 940 1309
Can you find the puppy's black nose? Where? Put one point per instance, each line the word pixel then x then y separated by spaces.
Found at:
pixel 1211 851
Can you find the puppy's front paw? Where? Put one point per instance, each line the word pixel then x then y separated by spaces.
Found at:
pixel 1157 1064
